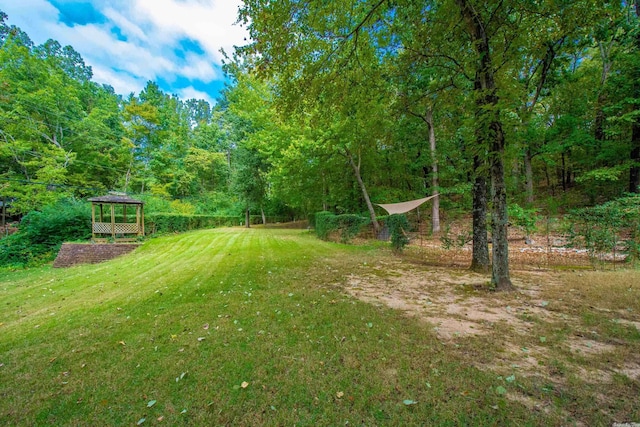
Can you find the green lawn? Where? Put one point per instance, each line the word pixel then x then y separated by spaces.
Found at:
pixel 231 327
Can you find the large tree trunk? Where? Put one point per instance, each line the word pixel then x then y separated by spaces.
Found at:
pixel 365 193
pixel 435 207
pixel 480 249
pixel 490 135
pixel 499 220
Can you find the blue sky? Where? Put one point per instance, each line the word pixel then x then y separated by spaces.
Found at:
pixel 175 43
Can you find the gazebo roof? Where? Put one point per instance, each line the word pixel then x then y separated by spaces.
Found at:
pixel 123 200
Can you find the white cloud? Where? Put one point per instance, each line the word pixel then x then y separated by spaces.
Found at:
pixel 153 30
pixel 128 28
pixel 192 93
pixel 210 22
pixel 198 68
pixel 122 83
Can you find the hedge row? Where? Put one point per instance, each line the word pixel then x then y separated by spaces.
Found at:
pixel 172 223
pixel 347 225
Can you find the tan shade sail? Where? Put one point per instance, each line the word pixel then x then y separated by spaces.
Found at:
pixel 404 207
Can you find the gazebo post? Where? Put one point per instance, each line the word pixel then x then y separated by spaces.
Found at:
pixel 138 219
pixel 113 221
pixel 142 218
pixel 93 221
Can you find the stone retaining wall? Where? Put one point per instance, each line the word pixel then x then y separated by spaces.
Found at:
pixel 83 253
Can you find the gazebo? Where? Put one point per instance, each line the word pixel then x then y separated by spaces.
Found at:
pixel 112 219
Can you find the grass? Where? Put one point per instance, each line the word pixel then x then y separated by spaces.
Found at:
pixel 248 327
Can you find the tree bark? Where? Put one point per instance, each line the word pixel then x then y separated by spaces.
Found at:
pixel 480 249
pixel 490 135
pixel 247 218
pixel 435 207
pixel 365 193
pixel 499 224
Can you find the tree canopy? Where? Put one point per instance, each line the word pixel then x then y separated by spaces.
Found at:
pixel 336 106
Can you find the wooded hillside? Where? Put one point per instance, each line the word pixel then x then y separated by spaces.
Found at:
pixel 335 106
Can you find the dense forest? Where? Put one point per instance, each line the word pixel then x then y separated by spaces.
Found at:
pixel 336 106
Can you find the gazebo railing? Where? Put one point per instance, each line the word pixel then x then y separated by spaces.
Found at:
pixel 115 228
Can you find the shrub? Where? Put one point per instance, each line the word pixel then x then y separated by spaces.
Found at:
pixel 602 228
pixel 451 240
pixel 41 233
pixel 348 225
pixel 522 218
pixel 325 222
pixel 398 227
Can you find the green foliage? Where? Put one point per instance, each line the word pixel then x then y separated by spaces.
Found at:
pixel 325 222
pixel 42 232
pixel 183 208
pixel 347 225
pixel 523 218
pixel 451 240
pixel 217 203
pixel 175 222
pixel 398 227
pixel 601 229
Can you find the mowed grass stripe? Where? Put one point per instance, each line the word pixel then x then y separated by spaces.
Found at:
pixel 85 297
pixel 173 263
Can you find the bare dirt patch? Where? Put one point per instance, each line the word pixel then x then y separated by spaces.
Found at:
pixel 568 332
pixel 456 302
